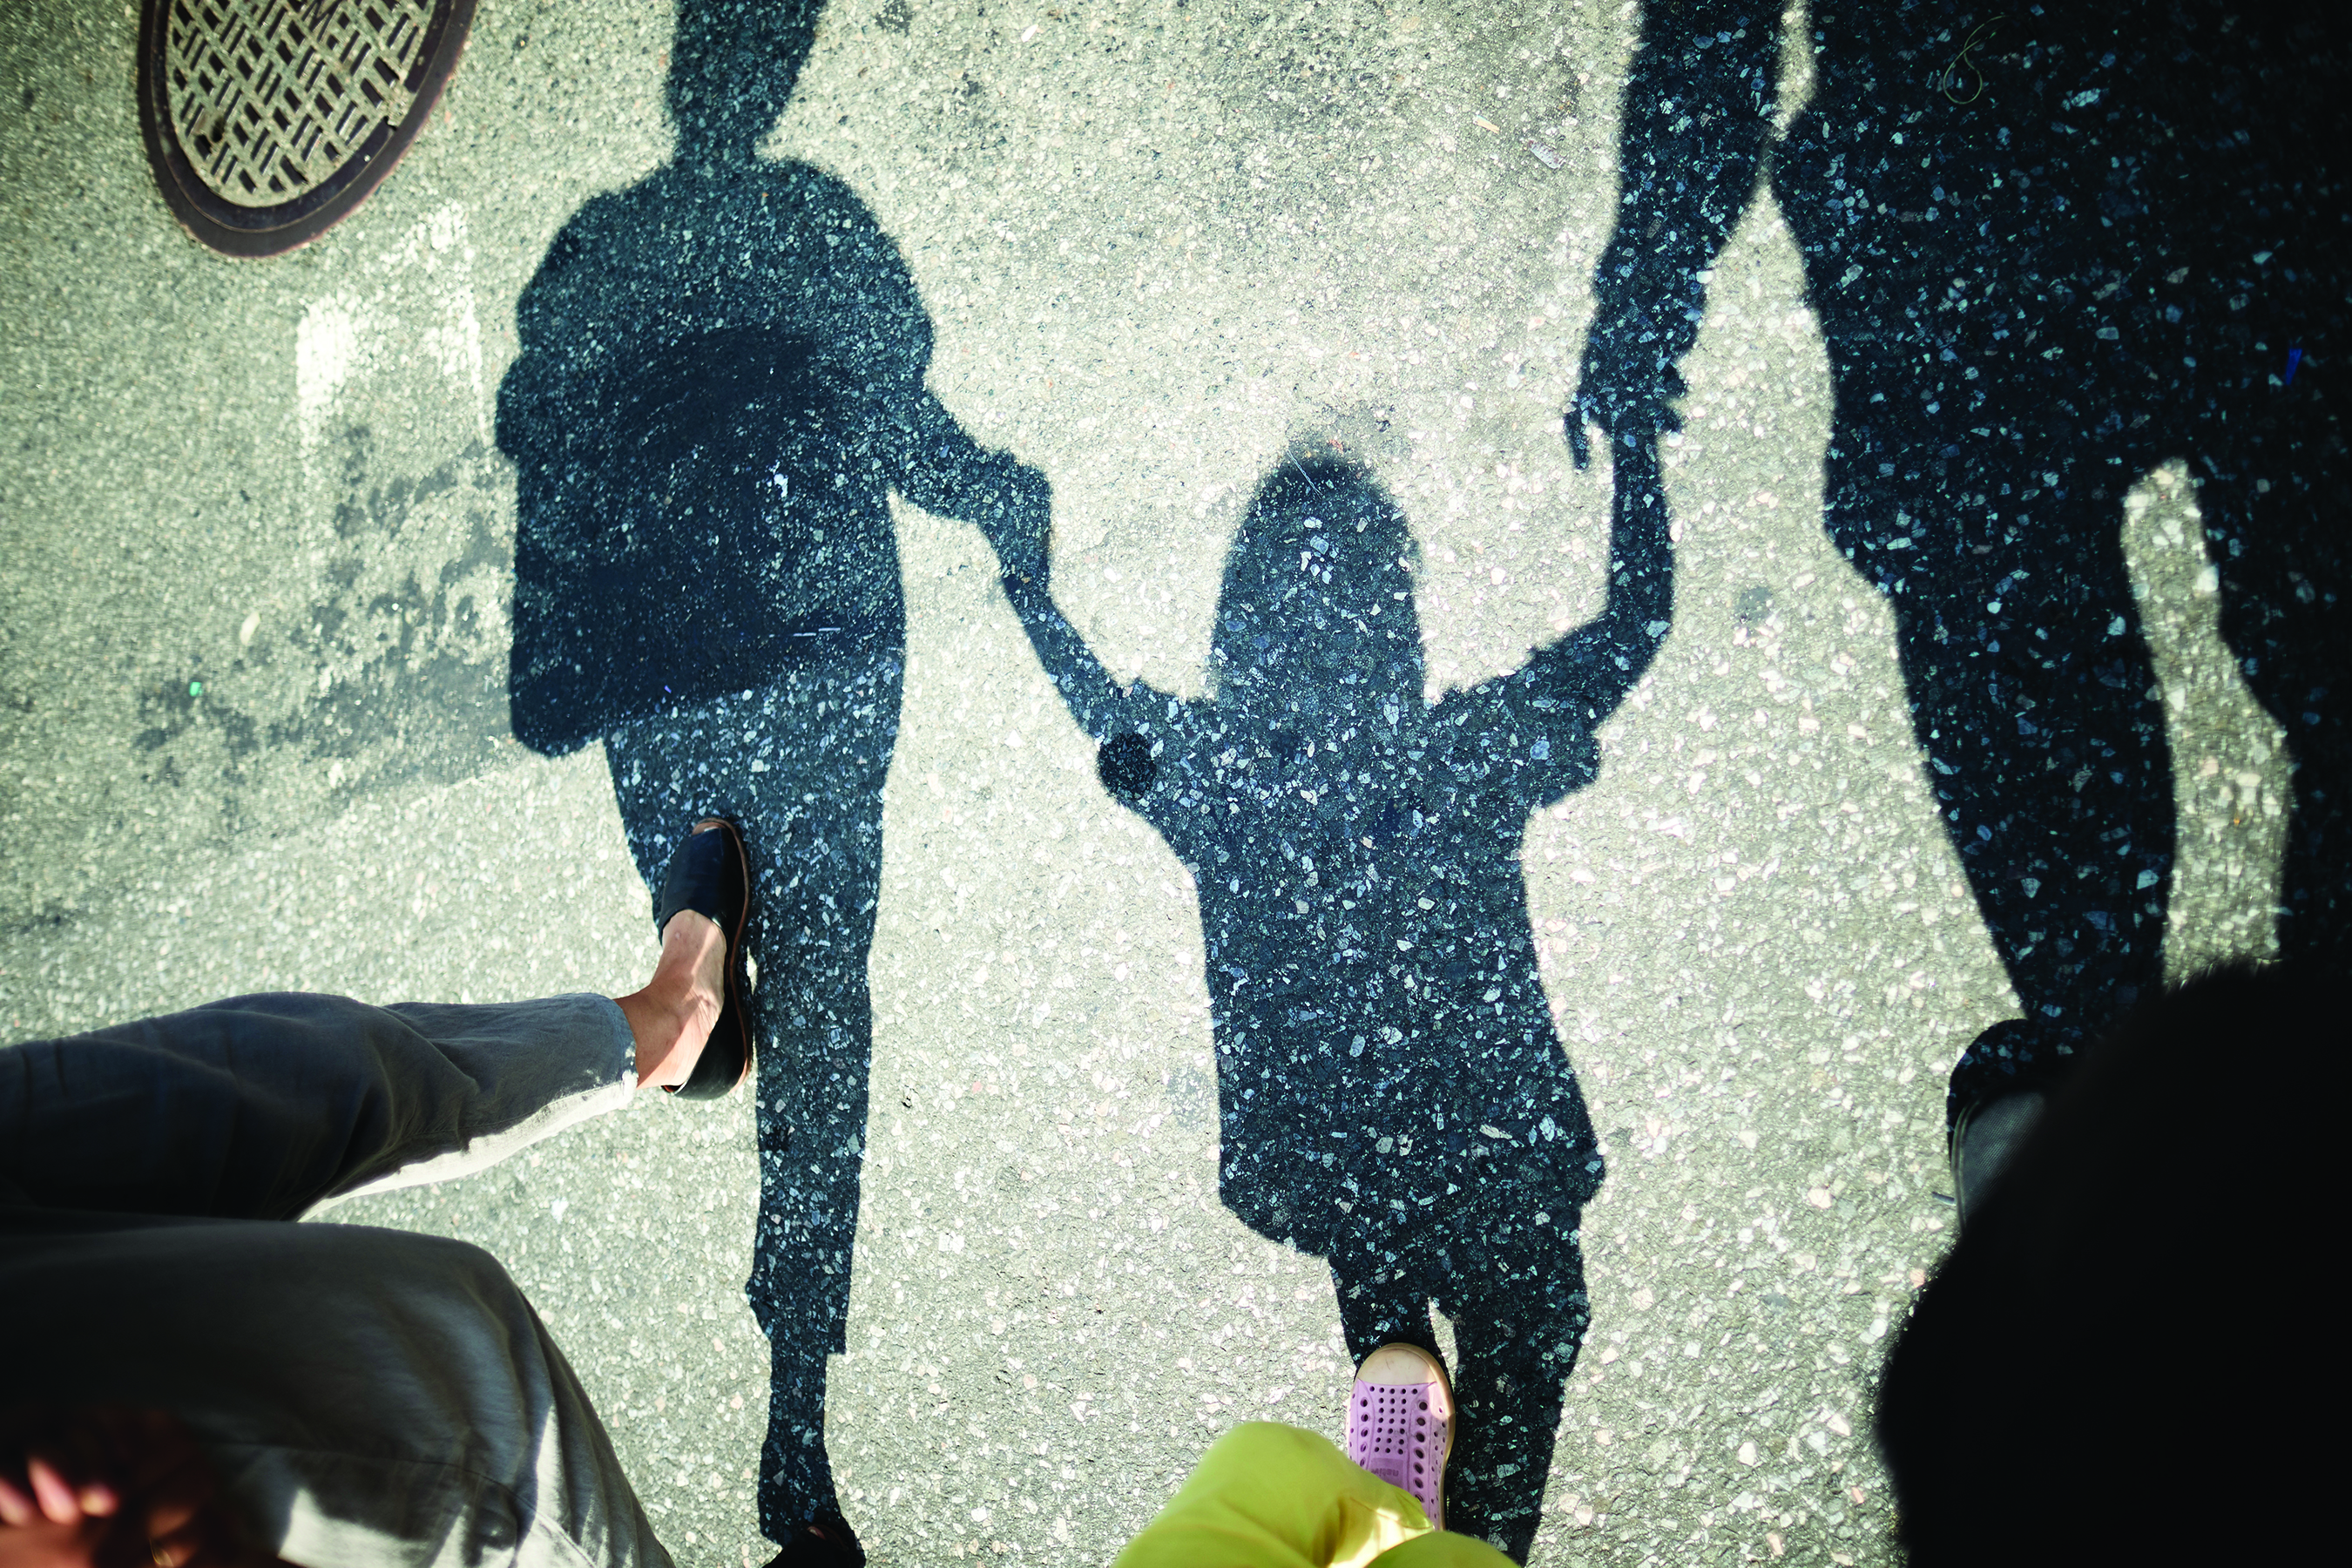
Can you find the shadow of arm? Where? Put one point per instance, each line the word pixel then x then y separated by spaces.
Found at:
pixel 1696 117
pixel 947 473
pixel 1578 682
pixel 1102 707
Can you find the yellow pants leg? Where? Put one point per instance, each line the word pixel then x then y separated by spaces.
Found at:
pixel 1271 1495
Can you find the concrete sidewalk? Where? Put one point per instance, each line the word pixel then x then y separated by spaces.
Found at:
pixel 255 564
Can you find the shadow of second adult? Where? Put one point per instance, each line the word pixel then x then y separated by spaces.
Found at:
pixel 720 385
pixel 2048 250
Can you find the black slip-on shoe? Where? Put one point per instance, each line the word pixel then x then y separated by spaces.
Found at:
pixel 712 875
pixel 825 1542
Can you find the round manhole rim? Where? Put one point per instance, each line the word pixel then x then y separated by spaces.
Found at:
pixel 254 232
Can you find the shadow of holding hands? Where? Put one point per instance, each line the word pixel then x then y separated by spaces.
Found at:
pixel 1391 1095
pixel 721 384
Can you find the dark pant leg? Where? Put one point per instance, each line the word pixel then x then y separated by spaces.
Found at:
pixel 365 1394
pixel 801 763
pixel 263 1107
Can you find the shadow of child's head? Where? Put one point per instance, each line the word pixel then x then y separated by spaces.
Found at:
pixel 732 67
pixel 1316 615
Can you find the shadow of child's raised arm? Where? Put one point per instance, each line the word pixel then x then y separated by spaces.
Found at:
pixel 1567 687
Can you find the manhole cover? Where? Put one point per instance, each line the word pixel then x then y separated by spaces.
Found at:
pixel 267 121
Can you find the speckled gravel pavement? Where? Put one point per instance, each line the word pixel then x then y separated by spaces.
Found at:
pixel 256 552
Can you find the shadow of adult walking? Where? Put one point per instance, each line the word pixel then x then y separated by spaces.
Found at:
pixel 2048 250
pixel 1391 1095
pixel 721 384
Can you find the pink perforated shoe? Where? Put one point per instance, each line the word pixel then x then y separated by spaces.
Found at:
pixel 1401 1423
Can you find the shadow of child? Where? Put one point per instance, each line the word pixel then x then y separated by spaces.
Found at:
pixel 1392 1097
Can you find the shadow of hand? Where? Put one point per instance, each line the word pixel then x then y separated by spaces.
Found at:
pixel 1021 534
pixel 1626 388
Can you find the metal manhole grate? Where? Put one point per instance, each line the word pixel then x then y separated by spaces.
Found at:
pixel 267 121
pixel 270 101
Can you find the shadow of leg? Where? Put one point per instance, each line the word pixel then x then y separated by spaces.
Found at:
pixel 812 1133
pixel 795 1472
pixel 2032 695
pixel 1373 1314
pixel 801 766
pixel 1519 1329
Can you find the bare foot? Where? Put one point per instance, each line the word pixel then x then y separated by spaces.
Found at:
pixel 672 1016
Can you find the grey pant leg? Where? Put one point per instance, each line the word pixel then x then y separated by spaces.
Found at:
pixel 266 1106
pixel 370 1396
